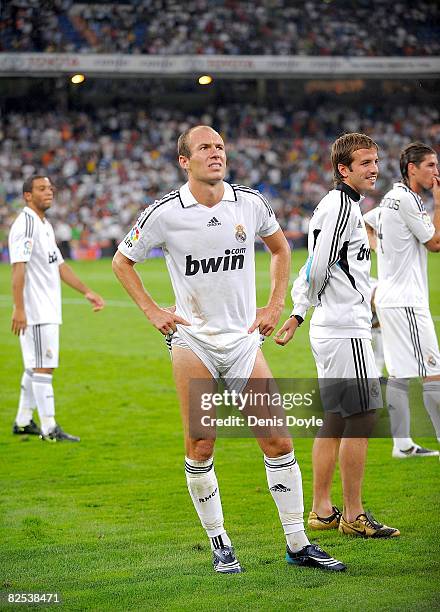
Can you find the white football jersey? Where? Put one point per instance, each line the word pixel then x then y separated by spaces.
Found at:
pixel 402 226
pixel 209 252
pixel 32 240
pixel 336 276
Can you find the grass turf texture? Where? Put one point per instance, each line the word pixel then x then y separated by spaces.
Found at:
pixel 108 522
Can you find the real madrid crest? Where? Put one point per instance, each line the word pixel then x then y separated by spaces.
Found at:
pixel 240 234
pixel 375 389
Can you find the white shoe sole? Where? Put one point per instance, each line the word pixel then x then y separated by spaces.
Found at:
pixel 400 455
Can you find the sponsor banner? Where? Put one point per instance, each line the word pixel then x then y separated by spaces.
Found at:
pixel 90 252
pixel 217 65
pixel 303 408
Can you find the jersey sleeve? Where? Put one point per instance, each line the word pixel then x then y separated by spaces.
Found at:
pixel 371 218
pixel 416 218
pixel 329 239
pixel 60 258
pixel 267 223
pixel 21 240
pixel 300 291
pixel 143 236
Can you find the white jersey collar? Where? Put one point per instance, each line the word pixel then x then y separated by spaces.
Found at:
pixel 187 199
pixel 352 193
pixel 29 210
pixel 406 188
pixel 400 184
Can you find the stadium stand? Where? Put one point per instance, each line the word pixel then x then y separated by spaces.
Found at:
pixel 229 27
pixel 107 164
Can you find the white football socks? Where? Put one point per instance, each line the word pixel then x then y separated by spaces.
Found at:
pixel 205 494
pixel 431 399
pixel 43 393
pixel 398 408
pixel 285 484
pixel 26 403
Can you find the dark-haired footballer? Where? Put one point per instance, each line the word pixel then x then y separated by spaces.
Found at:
pixel 405 234
pixel 37 271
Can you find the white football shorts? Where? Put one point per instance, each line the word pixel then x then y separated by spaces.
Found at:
pixel 347 374
pixel 409 341
pixel 235 367
pixel 40 346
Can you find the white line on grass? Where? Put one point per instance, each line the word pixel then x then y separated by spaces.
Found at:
pixel 5 300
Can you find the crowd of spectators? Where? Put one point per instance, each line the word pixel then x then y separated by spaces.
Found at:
pixel 107 166
pixel 230 27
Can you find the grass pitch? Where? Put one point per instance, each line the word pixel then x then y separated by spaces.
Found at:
pixel 108 523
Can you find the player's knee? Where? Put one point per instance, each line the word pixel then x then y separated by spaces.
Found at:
pixel 276 447
pixel 200 450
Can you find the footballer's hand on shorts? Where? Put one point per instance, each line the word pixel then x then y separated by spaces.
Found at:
pixel 96 300
pixel 285 334
pixel 18 323
pixel 171 309
pixel 266 320
pixel 165 321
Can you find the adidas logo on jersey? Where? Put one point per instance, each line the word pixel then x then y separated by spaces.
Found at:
pixel 213 223
pixel 359 224
pixel 233 259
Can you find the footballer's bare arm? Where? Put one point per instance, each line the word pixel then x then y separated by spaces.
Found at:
pixel 69 277
pixel 434 244
pixel 161 318
pixel 372 237
pixel 268 317
pixel 18 323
